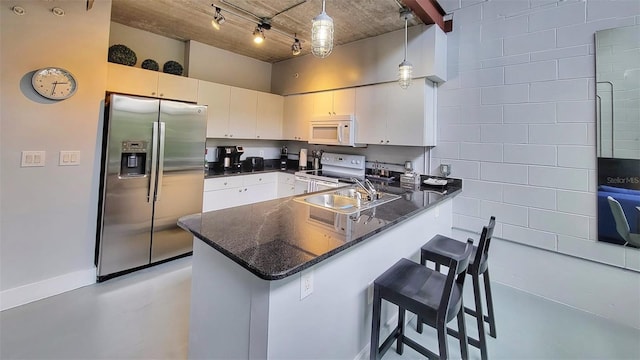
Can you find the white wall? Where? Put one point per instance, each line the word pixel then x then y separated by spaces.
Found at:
pixel 147 45
pixel 205 62
pixel 517 123
pixel 368 61
pixel 48 214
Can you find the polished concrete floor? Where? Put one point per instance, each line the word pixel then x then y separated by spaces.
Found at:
pixel 145 315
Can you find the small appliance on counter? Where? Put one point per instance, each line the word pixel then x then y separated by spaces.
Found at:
pixel 253 163
pixel 230 157
pixel 316 155
pixel 284 156
pixel 409 176
pixel 303 159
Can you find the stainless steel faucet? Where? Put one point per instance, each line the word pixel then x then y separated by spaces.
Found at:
pixel 367 187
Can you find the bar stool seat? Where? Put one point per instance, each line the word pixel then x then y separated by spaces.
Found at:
pixel 435 297
pixel 440 249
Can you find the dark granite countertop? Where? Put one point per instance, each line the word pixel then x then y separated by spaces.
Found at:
pixel 278 238
pixel 219 173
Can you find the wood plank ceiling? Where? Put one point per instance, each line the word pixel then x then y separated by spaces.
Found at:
pixel 191 20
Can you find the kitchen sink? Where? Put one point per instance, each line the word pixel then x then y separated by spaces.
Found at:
pixel 346 201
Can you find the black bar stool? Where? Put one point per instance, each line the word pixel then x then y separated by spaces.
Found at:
pixel 440 249
pixel 435 297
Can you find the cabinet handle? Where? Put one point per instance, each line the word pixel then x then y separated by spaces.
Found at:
pixel 230 135
pixel 245 189
pixel 387 141
pixel 153 93
pixel 225 135
pixel 225 183
pixel 239 190
pixel 258 136
pixel 334 113
pixel 161 95
pixel 381 141
pixel 260 179
pixel 329 112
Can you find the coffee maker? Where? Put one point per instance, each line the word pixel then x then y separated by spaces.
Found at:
pixel 229 156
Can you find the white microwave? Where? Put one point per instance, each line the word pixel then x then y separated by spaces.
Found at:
pixel 333 130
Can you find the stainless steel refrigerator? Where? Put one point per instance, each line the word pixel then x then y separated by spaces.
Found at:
pixel 152 174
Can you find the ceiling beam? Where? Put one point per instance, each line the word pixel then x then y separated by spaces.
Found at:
pixel 430 12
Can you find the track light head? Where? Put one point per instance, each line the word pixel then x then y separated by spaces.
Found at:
pixel 296 47
pixel 218 19
pixel 258 34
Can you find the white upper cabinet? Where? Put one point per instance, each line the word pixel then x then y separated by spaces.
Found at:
pixel 270 109
pixel 216 97
pixel 236 113
pixel 136 81
pixel 242 113
pixel 387 114
pixel 335 102
pixel 371 123
pixel 297 113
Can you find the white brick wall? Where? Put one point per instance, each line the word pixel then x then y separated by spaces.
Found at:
pixel 517 120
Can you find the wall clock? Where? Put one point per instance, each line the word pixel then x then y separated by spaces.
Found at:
pixel 54 83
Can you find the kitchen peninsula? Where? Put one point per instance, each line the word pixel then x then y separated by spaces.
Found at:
pixel 283 279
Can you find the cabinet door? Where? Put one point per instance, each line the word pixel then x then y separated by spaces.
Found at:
pixel 371 122
pixel 285 190
pixel 177 87
pixel 222 199
pixel 344 101
pixel 297 113
pixel 216 97
pixel 270 109
pixel 405 115
pixel 323 103
pixel 129 80
pixel 242 113
pixel 257 193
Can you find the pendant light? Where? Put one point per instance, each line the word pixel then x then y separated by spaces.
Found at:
pixel 322 34
pixel 405 69
pixel 296 47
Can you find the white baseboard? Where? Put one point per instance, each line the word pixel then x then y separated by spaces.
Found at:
pixel 39 290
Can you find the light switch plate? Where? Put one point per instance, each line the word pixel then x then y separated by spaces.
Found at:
pixel 69 158
pixel 33 158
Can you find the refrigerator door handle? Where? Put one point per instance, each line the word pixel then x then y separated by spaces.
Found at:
pixel 154 157
pixel 161 160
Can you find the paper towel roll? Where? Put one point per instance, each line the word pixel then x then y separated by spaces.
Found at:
pixel 303 159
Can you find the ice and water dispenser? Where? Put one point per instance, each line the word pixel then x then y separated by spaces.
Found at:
pixel 133 160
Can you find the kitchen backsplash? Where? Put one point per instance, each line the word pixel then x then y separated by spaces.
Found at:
pixel 389 157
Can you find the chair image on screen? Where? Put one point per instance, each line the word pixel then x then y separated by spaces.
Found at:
pixel 622 225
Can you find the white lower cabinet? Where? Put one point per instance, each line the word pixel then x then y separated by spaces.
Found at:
pixel 286 185
pixel 226 192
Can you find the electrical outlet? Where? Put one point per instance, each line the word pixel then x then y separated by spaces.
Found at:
pixel 261 153
pixel 445 169
pixel 306 284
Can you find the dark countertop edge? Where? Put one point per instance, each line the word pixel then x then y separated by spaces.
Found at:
pixel 270 277
pixel 211 174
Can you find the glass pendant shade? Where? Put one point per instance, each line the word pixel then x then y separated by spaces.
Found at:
pixel 322 35
pixel 405 69
pixel 405 73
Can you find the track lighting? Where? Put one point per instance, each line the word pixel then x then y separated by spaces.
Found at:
pixel 218 19
pixel 296 47
pixel 405 69
pixel 322 34
pixel 258 34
